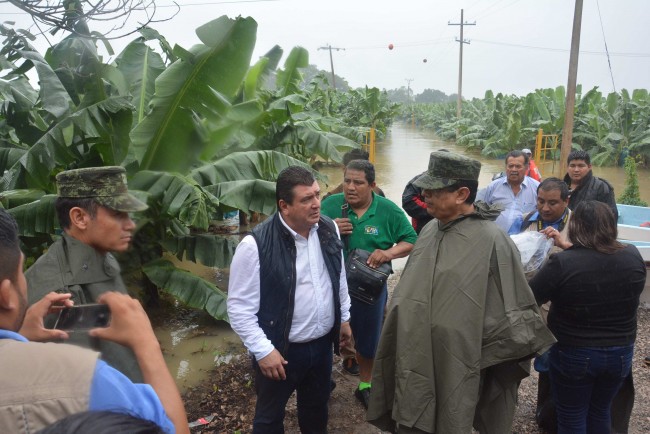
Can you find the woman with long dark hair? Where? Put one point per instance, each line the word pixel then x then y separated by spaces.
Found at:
pixel 594 287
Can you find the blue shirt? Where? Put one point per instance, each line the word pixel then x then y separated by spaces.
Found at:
pixel 514 206
pixel 516 227
pixel 111 390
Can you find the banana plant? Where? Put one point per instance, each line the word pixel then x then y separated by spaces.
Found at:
pixel 614 126
pixel 193 92
pixel 608 127
pixel 284 122
pixel 74 122
pixel 198 131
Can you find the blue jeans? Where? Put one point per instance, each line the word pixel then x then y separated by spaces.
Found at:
pixel 308 372
pixel 366 321
pixel 584 382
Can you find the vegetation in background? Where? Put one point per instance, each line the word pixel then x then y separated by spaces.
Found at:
pixel 607 127
pixel 631 194
pixel 200 131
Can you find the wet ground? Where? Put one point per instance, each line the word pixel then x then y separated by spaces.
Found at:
pixel 195 343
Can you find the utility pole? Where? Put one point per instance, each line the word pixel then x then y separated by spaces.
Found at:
pixel 408 89
pixel 567 130
pixel 408 98
pixel 330 48
pixel 460 65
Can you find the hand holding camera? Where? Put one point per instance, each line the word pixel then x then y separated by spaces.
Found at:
pixel 129 323
pixel 33 327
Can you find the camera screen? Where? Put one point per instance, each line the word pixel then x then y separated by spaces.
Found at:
pixel 83 317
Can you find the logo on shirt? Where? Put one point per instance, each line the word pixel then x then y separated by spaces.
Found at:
pixel 372 230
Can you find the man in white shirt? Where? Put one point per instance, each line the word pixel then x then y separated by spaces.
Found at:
pixel 288 301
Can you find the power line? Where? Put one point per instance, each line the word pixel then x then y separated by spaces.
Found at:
pixel 474 4
pixel 606 50
pixel 490 6
pixel 500 9
pixel 408 44
pixel 560 50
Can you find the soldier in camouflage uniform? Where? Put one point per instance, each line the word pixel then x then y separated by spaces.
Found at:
pixel 93 209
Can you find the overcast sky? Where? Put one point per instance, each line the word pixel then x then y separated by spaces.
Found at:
pixel 515 47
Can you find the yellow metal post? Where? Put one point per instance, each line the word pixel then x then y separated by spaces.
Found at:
pixel 365 145
pixel 545 146
pixel 371 151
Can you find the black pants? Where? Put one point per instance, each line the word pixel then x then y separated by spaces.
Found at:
pixel 308 373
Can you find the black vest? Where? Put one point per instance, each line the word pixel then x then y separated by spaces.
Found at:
pixel 277 255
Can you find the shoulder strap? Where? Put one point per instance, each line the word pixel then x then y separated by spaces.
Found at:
pixel 526 222
pixel 344 213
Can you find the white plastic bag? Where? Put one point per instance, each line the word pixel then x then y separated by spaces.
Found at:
pixel 533 248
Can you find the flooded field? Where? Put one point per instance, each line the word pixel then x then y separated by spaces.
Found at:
pixel 405 153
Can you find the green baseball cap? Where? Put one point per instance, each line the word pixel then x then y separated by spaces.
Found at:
pixel 447 168
pixel 106 185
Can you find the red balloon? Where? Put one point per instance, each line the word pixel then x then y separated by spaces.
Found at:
pixel 390 46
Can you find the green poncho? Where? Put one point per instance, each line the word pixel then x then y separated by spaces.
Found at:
pixel 461 319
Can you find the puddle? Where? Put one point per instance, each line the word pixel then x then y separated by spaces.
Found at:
pixel 193 349
pixel 193 342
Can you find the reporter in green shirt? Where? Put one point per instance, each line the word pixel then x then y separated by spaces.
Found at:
pixel 377 225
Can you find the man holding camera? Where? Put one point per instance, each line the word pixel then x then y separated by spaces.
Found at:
pixel 377 225
pixel 93 207
pixel 42 383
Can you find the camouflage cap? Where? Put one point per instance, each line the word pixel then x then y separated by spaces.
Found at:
pixel 447 168
pixel 106 185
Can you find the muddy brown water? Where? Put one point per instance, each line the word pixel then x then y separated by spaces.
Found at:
pixel 195 343
pixel 405 153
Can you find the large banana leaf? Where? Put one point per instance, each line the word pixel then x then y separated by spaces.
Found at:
pixel 210 250
pixel 221 134
pixel 9 157
pixel 19 92
pixel 200 85
pixel 287 106
pixel 252 78
pixel 105 125
pixel 244 165
pixel 188 288
pixel 151 34
pixel 260 71
pixel 312 141
pixel 250 195
pixel 80 68
pixel 14 198
pixel 53 94
pixel 140 66
pixel 36 217
pixel 541 107
pixel 288 80
pixel 179 197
